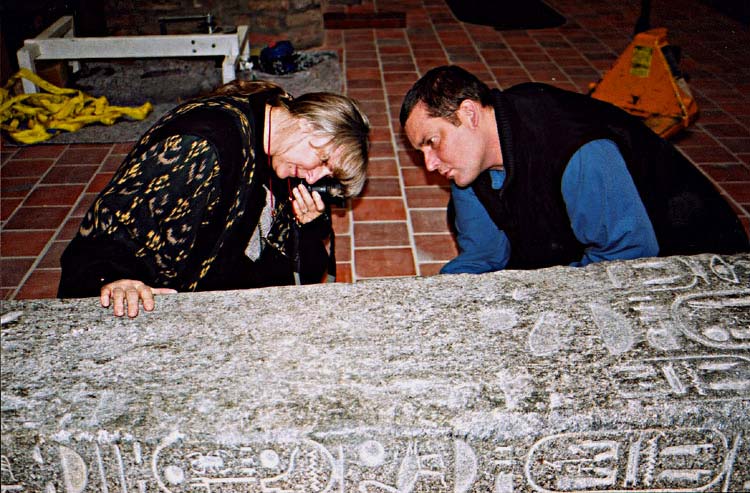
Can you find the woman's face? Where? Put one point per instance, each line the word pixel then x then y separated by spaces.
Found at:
pixel 307 158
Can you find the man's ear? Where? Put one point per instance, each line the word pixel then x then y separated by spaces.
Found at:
pixel 469 112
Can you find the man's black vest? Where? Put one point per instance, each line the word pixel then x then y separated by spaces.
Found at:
pixel 541 127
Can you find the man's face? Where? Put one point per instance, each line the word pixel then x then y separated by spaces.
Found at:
pixel 453 151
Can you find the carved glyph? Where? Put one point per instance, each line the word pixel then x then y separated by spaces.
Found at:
pixel 655 460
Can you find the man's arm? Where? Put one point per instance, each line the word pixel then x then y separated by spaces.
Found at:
pixel 482 246
pixel 604 207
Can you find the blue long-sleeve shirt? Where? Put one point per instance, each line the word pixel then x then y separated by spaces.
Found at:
pixel 605 211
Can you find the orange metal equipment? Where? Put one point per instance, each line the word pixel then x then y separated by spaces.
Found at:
pixel 646 82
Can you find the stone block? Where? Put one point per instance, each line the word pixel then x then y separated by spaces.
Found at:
pixel 268 23
pixel 310 19
pixel 624 376
pixel 268 5
pixel 306 37
pixel 304 4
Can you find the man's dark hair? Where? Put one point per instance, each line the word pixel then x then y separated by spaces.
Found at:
pixel 442 90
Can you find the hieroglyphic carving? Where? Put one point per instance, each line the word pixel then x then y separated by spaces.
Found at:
pixel 74 470
pixel 647 460
pixel 678 306
pixel 516 386
pixel 616 331
pixel 664 336
pixel 725 271
pixel 105 463
pixel 414 467
pixel 307 466
pixel 707 377
pixel 311 468
pixel 497 320
pixel 718 319
pixel 419 470
pixel 663 323
pixel 638 460
pixel 302 466
pixel 549 334
pixel 465 466
pixel 674 274
pixel 371 453
pixel 504 463
pixel 11 487
pixel 7 479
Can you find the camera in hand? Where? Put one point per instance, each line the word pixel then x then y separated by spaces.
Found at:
pixel 331 191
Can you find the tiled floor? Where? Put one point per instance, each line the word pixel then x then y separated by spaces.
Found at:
pixel 398 227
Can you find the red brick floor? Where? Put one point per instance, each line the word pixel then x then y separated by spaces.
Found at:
pixel 398 227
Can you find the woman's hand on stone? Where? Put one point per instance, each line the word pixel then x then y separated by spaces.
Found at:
pixel 131 293
pixel 307 207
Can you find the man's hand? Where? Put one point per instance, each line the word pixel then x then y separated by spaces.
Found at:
pixel 130 292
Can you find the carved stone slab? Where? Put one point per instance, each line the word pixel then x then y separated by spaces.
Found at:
pixel 619 377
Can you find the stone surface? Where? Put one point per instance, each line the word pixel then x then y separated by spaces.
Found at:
pixel 132 82
pixel 627 376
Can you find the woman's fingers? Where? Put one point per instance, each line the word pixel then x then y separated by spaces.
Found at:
pixel 133 294
pixel 127 294
pixel 306 207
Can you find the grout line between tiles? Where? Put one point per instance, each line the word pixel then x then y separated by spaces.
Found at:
pixel 394 144
pixel 65 220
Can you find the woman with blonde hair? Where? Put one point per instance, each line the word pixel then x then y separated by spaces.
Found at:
pixel 212 197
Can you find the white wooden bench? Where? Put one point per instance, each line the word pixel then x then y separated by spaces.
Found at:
pixel 58 42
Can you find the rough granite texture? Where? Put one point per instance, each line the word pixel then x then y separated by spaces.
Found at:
pixel 626 376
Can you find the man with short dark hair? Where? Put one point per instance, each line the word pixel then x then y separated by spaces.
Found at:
pixel 542 176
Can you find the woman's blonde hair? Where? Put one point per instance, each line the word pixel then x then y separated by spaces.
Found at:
pixel 339 119
pixel 330 115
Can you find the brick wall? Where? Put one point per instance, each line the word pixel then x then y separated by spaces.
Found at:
pixel 300 21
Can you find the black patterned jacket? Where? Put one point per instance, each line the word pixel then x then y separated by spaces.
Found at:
pixel 186 205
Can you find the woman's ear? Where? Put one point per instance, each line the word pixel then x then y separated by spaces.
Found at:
pixel 468 112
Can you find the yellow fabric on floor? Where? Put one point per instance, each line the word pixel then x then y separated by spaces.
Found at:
pixel 32 118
